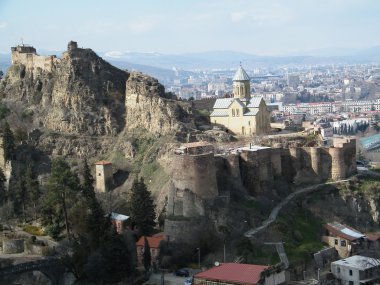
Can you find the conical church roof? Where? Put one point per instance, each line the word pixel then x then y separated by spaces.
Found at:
pixel 241 75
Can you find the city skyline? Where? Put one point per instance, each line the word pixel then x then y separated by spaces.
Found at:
pixel 257 27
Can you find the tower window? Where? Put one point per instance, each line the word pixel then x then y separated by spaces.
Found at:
pixel 99 174
pixel 233 112
pixel 237 112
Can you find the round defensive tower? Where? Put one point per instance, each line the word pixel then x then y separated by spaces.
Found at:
pixel 315 157
pixel 196 173
pixel 337 163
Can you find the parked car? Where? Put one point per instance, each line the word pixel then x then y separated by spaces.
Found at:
pixel 188 281
pixel 182 272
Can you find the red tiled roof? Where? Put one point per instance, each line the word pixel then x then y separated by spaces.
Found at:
pixel 343 231
pixel 103 162
pixel 247 274
pixel 154 242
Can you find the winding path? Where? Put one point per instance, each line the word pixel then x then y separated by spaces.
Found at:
pixel 273 215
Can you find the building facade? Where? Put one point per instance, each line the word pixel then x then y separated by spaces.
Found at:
pixel 344 239
pixel 242 115
pixel 356 270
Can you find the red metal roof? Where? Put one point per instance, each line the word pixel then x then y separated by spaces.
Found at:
pixel 103 162
pixel 247 274
pixel 154 242
pixel 343 231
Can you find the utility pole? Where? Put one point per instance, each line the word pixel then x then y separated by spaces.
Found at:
pixel 199 257
pixel 224 251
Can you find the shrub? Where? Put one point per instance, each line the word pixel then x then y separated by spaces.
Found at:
pixel 33 230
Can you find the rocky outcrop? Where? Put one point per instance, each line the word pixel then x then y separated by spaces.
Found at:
pixel 147 108
pixel 80 94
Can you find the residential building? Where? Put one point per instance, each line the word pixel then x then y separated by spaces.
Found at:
pixel 356 270
pixel 154 245
pixel 345 239
pixel 239 274
pixel 119 221
pixel 242 114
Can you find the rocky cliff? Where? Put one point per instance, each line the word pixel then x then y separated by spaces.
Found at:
pixel 147 108
pixel 81 94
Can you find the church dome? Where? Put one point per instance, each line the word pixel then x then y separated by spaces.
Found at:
pixel 241 75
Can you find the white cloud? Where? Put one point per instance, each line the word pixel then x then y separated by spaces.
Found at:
pixel 3 26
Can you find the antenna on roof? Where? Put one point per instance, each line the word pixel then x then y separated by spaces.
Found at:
pixel 22 41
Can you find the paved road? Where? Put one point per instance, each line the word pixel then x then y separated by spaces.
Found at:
pixel 273 215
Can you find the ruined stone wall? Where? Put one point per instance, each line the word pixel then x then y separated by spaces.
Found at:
pixel 187 231
pixel 11 246
pixel 33 61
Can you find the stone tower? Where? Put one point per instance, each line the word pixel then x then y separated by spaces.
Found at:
pixel 72 45
pixel 104 176
pixel 242 86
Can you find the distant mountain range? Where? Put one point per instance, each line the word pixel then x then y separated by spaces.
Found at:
pixel 162 66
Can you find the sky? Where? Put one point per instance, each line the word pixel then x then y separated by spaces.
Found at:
pixel 263 27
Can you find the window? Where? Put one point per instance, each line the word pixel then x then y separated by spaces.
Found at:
pixel 233 112
pixel 350 272
pixel 336 241
pixel 237 112
pixel 99 174
pixel 338 268
pixel 351 283
pixel 249 123
pixel 342 243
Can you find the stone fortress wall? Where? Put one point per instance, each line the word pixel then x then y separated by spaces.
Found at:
pixel 202 179
pixel 27 55
pixel 199 178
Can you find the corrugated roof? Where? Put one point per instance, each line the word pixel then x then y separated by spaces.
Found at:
pixel 223 103
pixel 219 113
pixel 154 242
pixel 343 231
pixel 358 261
pixel 247 274
pixel 254 102
pixel 241 75
pixel 119 217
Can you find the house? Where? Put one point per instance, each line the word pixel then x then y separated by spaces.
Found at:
pixel 119 221
pixel 239 274
pixel 243 114
pixel 345 239
pixel 356 270
pixel 154 245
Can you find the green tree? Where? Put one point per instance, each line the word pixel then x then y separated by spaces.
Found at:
pixel 63 185
pixel 97 224
pixel 142 208
pixel 20 198
pixel 3 190
pixel 147 258
pixel 8 142
pixel 33 188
